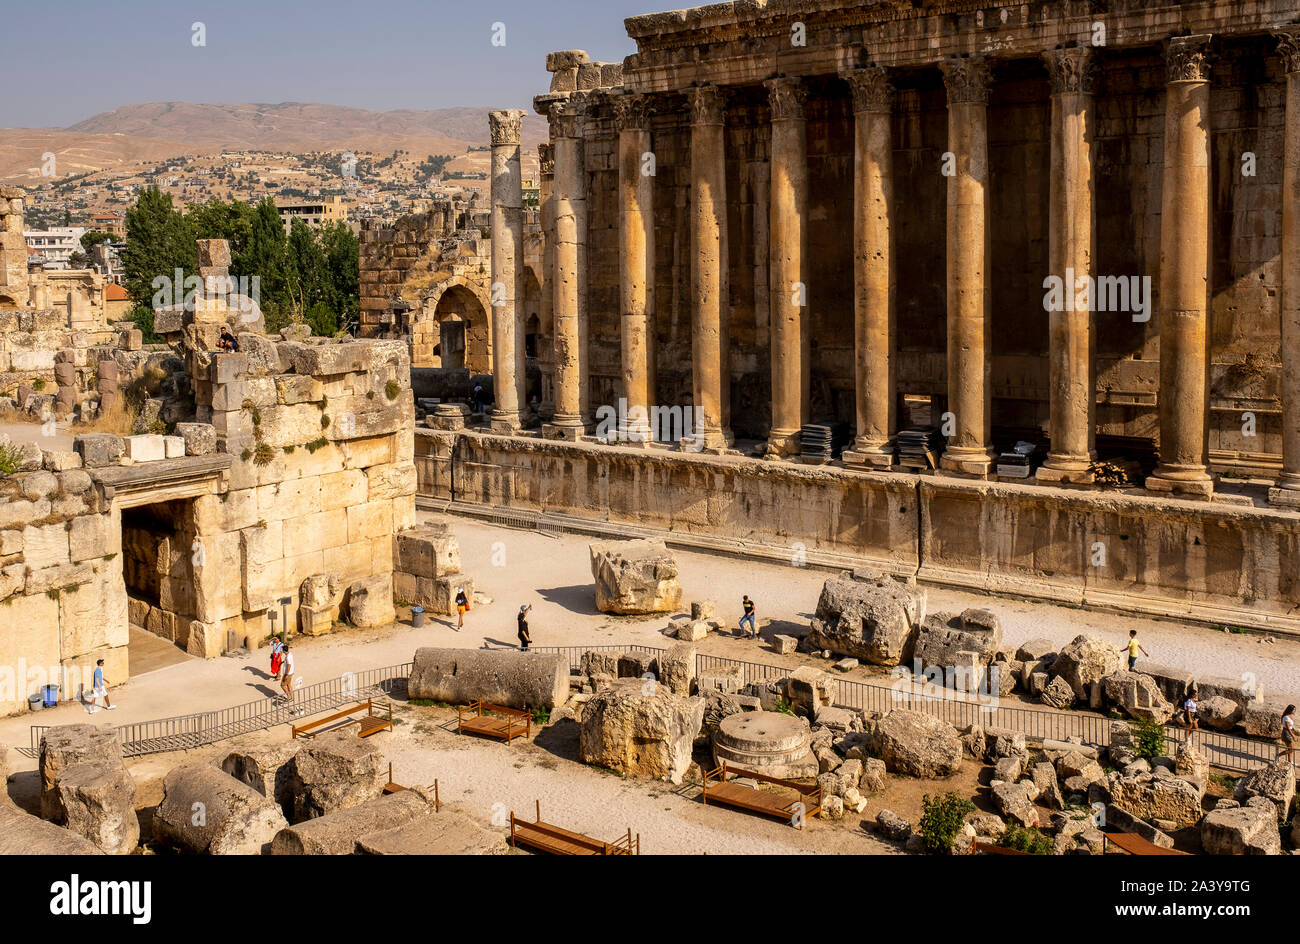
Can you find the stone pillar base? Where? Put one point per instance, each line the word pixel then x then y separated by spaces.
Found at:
pixel 1286 497
pixel 970 463
pixel 867 456
pixel 1190 482
pixel 782 443
pixel 505 422
pixel 1068 472
pixel 565 431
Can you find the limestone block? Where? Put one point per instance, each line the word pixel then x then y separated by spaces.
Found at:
pixel 692 630
pixel 235 818
pixel 500 676
pixel 390 481
pixel 198 439
pixel 91 536
pixel 942 636
pixel 640 734
pixel 97 799
pixel 635 577
pixel 46 545
pixel 1138 695
pixel 261 562
pixel 343 489
pixel 59 461
pixel 24 834
pixel 66 746
pixel 809 690
pixel 370 520
pixel 333 771
pixel 291 389
pixel 173 447
pixel 426 551
pixel 341 832
pixel 332 359
pixel 1275 783
pixel 370 601
pixel 874 620
pixel 438 595
pixel 917 744
pixel 677 668
pixel 1244 830
pixel 1148 796
pixel 1085 660
pixel 145 448
pixel 98 449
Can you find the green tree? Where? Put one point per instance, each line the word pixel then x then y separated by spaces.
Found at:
pixel 158 242
pixel 264 257
pixel 342 251
pixel 217 219
pixel 93 238
pixel 306 274
pixel 322 319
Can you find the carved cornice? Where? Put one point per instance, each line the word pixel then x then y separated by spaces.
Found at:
pixel 1288 47
pixel 632 111
pixel 967 80
pixel 708 105
pixel 546 160
pixel 566 119
pixel 872 91
pixel 786 96
pixel 505 126
pixel 1188 58
pixel 1071 70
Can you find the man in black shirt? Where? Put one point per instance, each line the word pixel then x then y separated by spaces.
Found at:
pixel 524 638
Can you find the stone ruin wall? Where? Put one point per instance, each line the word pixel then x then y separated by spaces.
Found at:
pixel 1248 104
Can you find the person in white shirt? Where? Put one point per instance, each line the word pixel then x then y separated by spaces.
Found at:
pixel 286 685
pixel 1288 732
pixel 1189 714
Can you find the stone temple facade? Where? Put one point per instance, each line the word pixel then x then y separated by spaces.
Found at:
pixel 1048 222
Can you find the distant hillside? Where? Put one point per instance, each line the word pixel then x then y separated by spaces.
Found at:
pixel 163 129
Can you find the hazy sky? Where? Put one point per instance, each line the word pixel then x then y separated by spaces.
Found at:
pixel 73 59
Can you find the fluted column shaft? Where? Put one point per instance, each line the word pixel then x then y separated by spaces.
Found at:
pixel 636 256
pixel 968 451
pixel 1184 274
pixel 569 198
pixel 1070 227
pixel 873 281
pixel 788 242
pixel 546 332
pixel 1288 490
pixel 708 261
pixel 507 223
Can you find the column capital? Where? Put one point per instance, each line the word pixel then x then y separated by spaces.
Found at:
pixel 1071 70
pixel 1187 58
pixel 632 111
pixel 786 96
pixel 708 105
pixel 1288 47
pixel 566 119
pixel 546 159
pixel 966 79
pixel 871 88
pixel 505 126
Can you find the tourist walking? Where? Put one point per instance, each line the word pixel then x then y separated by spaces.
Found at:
pixel 277 657
pixel 748 605
pixel 1288 732
pixel 286 685
pixel 1134 647
pixel 524 638
pixel 462 604
pixel 1189 714
pixel 99 689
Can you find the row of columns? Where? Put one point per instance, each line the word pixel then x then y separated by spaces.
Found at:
pixel 1184 270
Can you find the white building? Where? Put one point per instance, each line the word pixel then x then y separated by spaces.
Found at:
pixel 55 246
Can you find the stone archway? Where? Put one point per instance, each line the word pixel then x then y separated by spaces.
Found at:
pixel 462 308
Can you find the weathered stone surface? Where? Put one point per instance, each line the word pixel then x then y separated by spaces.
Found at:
pixel 873 620
pixel 426 551
pixel 200 438
pixel 892 826
pixel 342 831
pixel 500 676
pixel 24 834
pixel 677 668
pixel 334 771
pixel 1125 821
pixel 1035 650
pixel 640 734
pixel 98 802
pixel 1049 788
pixel 915 743
pixel 98 449
pixel 65 746
pixel 1263 719
pixel 267 768
pixel 1015 801
pixel 205 810
pixel 1137 695
pixel 448 832
pixel 635 577
pixel 809 690
pixel 1085 660
pixel 1058 694
pixel 1244 830
pixel 769 742
pixel 1275 782
pixel 1219 713
pixel 1149 796
pixel 1190 765
pixel 370 601
pixel 942 638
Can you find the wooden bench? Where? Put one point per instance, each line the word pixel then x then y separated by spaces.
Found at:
pixel 370 724
pixel 991 849
pixel 1133 844
pixel 763 802
pixel 555 840
pixel 504 724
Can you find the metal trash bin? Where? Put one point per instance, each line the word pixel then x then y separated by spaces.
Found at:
pixel 417 616
pixel 35 702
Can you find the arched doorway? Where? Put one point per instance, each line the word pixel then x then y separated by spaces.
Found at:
pixel 460 328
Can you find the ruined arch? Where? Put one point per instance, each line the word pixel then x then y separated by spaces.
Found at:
pixel 458 302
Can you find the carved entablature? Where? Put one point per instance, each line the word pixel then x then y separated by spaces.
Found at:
pixel 1188 58
pixel 786 97
pixel 1071 70
pixel 505 126
pixel 1288 47
pixel 872 91
pixel 708 105
pixel 967 80
pixel 566 119
pixel 632 111
pixel 546 160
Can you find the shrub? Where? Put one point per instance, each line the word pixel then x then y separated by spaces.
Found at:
pixel 1023 839
pixel 392 389
pixel 1148 738
pixel 316 444
pixel 264 454
pixel 324 421
pixel 11 457
pixel 246 454
pixel 784 706
pixel 541 715
pixel 39 384
pixel 941 821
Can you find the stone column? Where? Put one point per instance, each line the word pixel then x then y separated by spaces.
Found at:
pixel 873 281
pixel 545 341
pixel 1287 491
pixel 569 198
pixel 1070 228
pixel 1184 395
pixel 636 259
pixel 788 251
pixel 507 267
pixel 708 264
pixel 969 451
